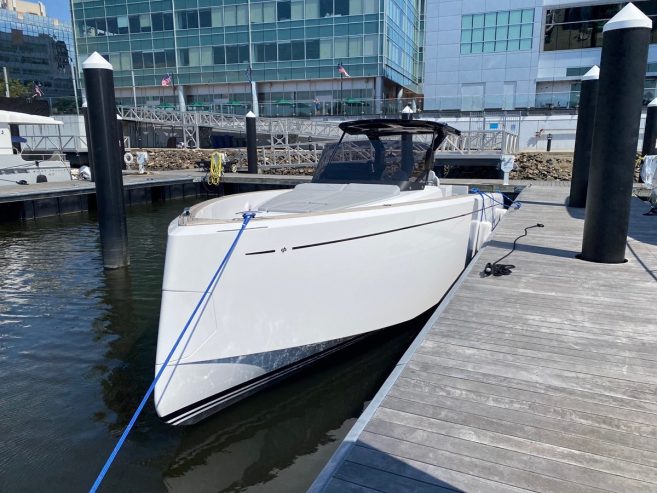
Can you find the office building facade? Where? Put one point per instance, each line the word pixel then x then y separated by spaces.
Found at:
pixel 36 49
pixel 517 53
pixel 290 49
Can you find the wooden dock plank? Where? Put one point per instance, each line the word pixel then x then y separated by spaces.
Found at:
pixel 545 380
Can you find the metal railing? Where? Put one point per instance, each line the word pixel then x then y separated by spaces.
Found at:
pixel 66 143
pixel 481 141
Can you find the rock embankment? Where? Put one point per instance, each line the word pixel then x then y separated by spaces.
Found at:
pixel 179 159
pixel 541 166
pixel 551 166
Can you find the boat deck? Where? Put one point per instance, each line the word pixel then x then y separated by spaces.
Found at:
pixel 544 380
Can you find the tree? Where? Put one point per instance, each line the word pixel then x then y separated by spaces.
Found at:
pixel 16 89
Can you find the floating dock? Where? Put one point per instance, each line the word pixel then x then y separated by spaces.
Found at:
pixel 544 380
pixel 21 202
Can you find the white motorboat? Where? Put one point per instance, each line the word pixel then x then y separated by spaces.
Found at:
pixel 373 241
pixel 20 166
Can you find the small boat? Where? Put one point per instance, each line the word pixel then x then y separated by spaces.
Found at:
pixel 373 241
pixel 21 166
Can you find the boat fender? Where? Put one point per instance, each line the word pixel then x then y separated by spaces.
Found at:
pixel 485 229
pixel 472 242
pixel 85 173
pixel 498 213
pixel 128 158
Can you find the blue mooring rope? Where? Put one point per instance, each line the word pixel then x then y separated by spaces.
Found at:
pixel 247 216
pixel 515 203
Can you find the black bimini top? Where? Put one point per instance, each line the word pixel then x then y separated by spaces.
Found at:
pixel 386 127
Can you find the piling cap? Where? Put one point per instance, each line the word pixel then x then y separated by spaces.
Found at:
pixel 652 103
pixel 628 18
pixel 593 74
pixel 250 114
pixel 407 110
pixel 96 61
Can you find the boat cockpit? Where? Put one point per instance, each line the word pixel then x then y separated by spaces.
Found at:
pixel 386 153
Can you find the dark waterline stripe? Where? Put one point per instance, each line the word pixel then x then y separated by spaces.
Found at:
pixel 382 232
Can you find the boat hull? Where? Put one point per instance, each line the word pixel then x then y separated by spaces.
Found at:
pixel 297 287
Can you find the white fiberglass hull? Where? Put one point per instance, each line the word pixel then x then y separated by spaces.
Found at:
pixel 297 286
pixel 14 170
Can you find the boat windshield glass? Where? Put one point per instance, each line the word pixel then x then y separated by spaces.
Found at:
pixel 388 161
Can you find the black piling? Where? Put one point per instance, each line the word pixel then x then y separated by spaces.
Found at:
pixel 407 161
pixel 584 138
pixel 650 130
pixel 107 160
pixel 251 142
pixel 615 135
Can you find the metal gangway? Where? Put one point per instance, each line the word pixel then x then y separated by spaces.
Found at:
pixel 286 131
pixel 279 130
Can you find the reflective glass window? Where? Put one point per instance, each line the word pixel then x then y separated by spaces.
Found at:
pixel 168 21
pixel 242 15
pixel 205 18
pixel 217 17
pixel 297 10
pixel 137 60
pixel 341 47
pixel 157 22
pixel 492 31
pixel 218 55
pixel 284 51
pixel 325 8
pixel 160 59
pixel 312 9
pixel 269 12
pixel 312 49
pixel 355 7
pixel 326 48
pixel 284 11
pixel 298 50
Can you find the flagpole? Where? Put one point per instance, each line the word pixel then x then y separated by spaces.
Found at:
pixel 341 99
pixel 134 89
pixel 4 72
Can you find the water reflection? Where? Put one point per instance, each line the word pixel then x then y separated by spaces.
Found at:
pixel 77 347
pixel 293 427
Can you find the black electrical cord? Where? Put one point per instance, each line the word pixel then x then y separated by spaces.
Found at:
pixel 495 268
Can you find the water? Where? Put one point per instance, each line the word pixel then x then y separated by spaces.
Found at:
pixel 77 346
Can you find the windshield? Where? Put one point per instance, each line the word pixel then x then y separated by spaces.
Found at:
pixel 374 161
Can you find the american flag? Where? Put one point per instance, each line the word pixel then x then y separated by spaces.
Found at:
pixel 37 90
pixel 342 70
pixel 167 80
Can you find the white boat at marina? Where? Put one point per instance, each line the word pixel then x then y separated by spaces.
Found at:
pixel 20 166
pixel 373 241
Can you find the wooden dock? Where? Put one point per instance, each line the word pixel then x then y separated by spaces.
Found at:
pixel 543 381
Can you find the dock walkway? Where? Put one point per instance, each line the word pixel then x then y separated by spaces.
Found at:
pixel 544 380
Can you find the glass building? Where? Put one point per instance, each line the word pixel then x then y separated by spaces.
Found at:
pixel 478 55
pixel 37 49
pixel 291 49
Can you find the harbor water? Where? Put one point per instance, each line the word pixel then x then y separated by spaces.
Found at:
pixel 77 346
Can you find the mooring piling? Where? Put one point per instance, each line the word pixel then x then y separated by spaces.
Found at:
pixel 615 135
pixel 584 138
pixel 106 160
pixel 649 147
pixel 251 143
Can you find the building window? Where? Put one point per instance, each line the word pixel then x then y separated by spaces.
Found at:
pixel 137 60
pixel 284 11
pixel 497 31
pixel 312 49
pixel 205 18
pixel 325 8
pixel 218 55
